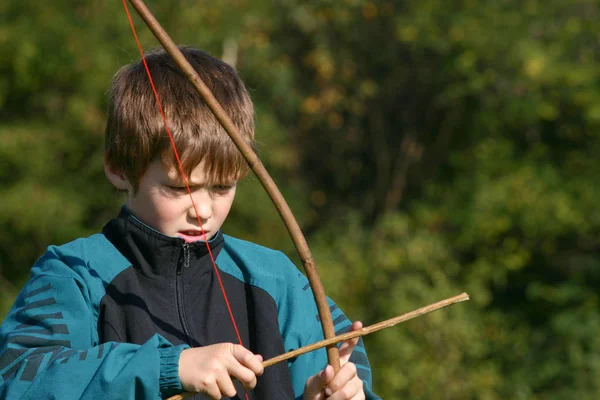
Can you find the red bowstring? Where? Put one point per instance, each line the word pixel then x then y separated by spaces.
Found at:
pixel 185 179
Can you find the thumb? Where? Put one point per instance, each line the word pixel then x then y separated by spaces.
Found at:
pixel 313 390
pixel 347 347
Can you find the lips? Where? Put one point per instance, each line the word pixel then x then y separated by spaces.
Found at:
pixel 192 236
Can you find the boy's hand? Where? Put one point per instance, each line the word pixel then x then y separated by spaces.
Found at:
pixel 210 369
pixel 344 385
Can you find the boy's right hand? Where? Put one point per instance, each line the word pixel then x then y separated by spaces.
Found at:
pixel 210 369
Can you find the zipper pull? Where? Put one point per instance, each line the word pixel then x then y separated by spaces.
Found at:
pixel 186 255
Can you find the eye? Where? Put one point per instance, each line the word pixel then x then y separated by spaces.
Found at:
pixel 178 189
pixel 223 188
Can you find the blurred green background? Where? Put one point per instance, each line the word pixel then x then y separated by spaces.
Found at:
pixel 427 148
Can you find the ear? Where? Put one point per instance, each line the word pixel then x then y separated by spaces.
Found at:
pixel 116 177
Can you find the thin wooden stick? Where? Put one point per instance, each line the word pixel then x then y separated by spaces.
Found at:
pixel 354 334
pixel 366 330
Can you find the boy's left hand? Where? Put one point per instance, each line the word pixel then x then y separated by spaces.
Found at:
pixel 345 385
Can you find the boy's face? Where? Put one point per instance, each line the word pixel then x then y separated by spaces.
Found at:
pixel 163 202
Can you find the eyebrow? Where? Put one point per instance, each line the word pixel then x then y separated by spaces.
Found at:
pixel 181 182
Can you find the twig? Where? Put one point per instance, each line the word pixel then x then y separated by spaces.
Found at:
pixel 366 330
pixel 354 334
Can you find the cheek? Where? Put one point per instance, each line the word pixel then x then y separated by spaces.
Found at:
pixel 224 206
pixel 164 210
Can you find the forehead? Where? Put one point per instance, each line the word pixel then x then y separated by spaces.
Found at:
pixel 173 173
pixel 198 175
pixel 215 160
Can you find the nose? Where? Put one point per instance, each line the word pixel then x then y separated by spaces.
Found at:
pixel 203 202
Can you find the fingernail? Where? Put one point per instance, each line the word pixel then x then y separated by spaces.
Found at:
pixel 328 392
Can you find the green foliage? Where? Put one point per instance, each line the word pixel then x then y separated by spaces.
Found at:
pixel 428 148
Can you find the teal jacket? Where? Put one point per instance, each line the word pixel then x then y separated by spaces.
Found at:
pixel 107 317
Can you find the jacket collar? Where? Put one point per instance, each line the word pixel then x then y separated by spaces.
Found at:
pixel 154 254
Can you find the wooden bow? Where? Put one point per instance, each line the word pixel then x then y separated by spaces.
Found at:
pixel 260 172
pixel 284 211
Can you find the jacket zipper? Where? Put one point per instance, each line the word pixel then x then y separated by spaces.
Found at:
pixel 184 262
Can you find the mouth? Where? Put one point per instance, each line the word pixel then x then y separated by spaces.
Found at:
pixel 192 236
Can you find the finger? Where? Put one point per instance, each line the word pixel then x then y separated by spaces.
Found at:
pixel 245 375
pixel 313 389
pixel 245 366
pixel 352 390
pixel 345 381
pixel 226 386
pixel 248 359
pixel 360 395
pixel 348 346
pixel 211 388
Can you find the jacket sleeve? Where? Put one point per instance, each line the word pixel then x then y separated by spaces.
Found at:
pixel 303 327
pixel 49 346
pixel 359 356
pixel 309 364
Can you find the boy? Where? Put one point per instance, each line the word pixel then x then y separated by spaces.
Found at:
pixel 138 311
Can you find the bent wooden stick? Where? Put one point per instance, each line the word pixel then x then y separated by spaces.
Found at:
pixel 354 334
pixel 258 169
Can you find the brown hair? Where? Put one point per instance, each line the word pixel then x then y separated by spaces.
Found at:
pixel 135 132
